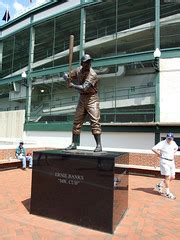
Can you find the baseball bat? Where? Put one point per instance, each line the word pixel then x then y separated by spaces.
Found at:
pixel 71 45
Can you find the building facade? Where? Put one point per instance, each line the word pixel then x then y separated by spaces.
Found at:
pixel 138 86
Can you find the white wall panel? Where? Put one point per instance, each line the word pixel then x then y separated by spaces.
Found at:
pixel 170 90
pixel 12 124
pixel 16 27
pixel 57 9
pixel 120 140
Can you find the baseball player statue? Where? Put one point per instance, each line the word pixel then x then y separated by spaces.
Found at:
pixel 88 101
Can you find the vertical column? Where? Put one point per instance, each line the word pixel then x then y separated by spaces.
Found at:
pixel 157 46
pixel 157 135
pixel 116 52
pixel 82 29
pixel 29 79
pixel 1 54
pixel 157 24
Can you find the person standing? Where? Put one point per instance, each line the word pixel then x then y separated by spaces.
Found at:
pixel 88 103
pixel 166 150
pixel 21 155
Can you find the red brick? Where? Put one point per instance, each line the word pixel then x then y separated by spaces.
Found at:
pixel 145 218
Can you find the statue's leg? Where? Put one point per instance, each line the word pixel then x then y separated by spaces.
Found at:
pixel 80 114
pixel 98 143
pixel 94 115
pixel 75 140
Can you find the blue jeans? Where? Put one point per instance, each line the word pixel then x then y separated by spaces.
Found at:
pixel 23 159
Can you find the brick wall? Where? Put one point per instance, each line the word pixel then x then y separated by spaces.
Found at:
pixel 148 159
pixel 6 154
pixel 141 159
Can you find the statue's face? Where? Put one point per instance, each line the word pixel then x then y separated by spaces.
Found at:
pixel 86 65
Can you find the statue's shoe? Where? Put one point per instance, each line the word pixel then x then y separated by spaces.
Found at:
pixel 98 149
pixel 71 147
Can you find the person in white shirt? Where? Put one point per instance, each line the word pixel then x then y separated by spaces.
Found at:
pixel 166 150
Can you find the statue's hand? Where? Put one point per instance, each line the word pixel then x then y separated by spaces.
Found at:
pixel 66 76
pixel 70 84
pixel 68 79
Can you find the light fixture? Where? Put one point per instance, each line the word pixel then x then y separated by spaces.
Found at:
pixel 157 53
pixel 24 75
pixel 24 79
pixel 42 90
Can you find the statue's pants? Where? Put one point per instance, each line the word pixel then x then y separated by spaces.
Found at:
pixel 88 105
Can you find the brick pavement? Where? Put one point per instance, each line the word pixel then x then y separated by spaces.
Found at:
pixel 150 216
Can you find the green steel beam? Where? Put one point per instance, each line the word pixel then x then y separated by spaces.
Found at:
pixel 109 61
pixel 157 98
pixel 92 1
pixel 121 60
pixel 42 126
pixel 170 53
pixel 82 30
pixel 29 79
pixel 157 136
pixel 124 59
pixel 135 128
pixel 83 24
pixel 157 45
pixel 67 126
pixel 51 71
pixel 1 52
pixel 157 24
pixel 7 80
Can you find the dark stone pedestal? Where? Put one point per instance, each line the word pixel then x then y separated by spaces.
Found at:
pixel 80 187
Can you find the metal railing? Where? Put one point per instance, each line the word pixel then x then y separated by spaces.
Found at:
pixel 66 106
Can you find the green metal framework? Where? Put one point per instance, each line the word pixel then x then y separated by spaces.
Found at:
pixel 116 33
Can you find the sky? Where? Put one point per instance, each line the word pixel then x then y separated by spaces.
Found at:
pixel 16 7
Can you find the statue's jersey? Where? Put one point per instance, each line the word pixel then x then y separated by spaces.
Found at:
pixel 89 76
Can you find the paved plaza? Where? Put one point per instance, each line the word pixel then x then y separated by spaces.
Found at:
pixel 149 217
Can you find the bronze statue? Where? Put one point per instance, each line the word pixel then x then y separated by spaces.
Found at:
pixel 88 101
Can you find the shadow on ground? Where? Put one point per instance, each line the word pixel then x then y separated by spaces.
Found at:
pixel 27 203
pixel 147 190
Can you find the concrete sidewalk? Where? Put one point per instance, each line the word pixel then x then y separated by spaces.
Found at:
pixel 149 217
